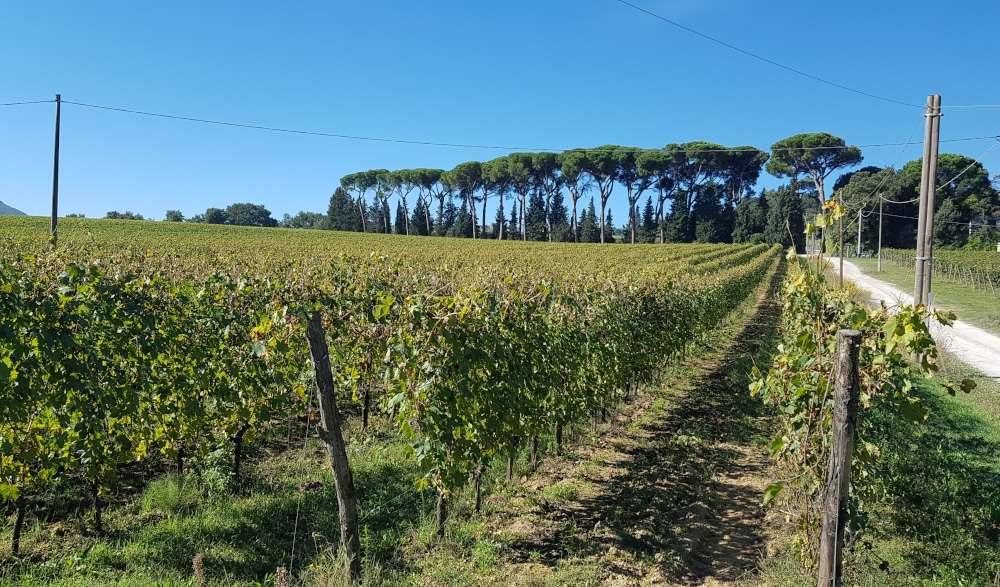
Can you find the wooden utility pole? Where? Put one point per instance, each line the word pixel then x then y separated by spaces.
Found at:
pixel 841 280
pixel 931 190
pixel 336 450
pixel 55 178
pixel 847 388
pixel 928 178
pixel 880 202
pixel 857 253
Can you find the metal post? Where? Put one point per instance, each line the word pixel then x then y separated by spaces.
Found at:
pixel 838 477
pixel 55 178
pixel 931 190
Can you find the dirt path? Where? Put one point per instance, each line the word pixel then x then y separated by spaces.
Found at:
pixel 667 493
pixel 972 345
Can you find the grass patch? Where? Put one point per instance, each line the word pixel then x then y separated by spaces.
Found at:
pixel 939 522
pixel 975 306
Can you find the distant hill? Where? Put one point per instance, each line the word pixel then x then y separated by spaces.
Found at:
pixel 5 209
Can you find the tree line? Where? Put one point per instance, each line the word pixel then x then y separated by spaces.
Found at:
pixel 690 192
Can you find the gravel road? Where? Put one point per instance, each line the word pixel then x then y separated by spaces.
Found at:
pixel 972 345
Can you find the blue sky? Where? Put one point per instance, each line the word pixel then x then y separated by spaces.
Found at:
pixel 518 73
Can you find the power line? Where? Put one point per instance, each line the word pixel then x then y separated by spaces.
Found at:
pixel 971 165
pixel 896 162
pixel 936 221
pixel 474 146
pixel 765 59
pixel 974 106
pixel 34 102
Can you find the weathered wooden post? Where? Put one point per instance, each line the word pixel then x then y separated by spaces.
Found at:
pixel 336 450
pixel 838 477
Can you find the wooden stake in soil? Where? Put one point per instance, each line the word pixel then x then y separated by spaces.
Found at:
pixel 838 479
pixel 20 503
pixel 442 513
pixel 534 453
pixel 336 451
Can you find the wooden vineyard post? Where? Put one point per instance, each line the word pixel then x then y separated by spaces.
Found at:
pixel 336 452
pixel 838 477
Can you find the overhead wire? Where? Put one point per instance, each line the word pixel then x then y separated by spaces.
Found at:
pixel 32 102
pixel 970 166
pixel 764 59
pixel 474 146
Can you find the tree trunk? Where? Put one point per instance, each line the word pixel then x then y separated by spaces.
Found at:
pixel 406 216
pixel 427 217
pixel 442 513
pixel 477 482
pixel 366 408
pixel 559 433
pixel 238 456
pixel 576 233
pixel 482 227
pixel 503 220
pixel 524 216
pixel 96 490
pixel 602 221
pixel 336 451
pixel 21 504
pixel 472 210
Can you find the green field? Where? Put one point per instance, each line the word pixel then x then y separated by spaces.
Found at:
pixel 976 306
pixel 464 352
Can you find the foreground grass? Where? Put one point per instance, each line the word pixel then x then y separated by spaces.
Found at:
pixel 975 306
pixel 154 533
pixel 939 520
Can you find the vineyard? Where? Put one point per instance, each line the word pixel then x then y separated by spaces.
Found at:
pixel 135 341
pixel 980 269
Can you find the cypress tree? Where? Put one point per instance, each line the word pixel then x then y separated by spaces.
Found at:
pixel 537 229
pixel 590 232
pixel 342 213
pixel 400 223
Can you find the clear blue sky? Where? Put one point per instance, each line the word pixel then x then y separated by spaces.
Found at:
pixel 519 73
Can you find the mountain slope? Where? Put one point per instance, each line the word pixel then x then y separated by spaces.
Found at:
pixel 5 209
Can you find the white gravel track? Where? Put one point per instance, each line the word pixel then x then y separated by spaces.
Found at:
pixel 972 345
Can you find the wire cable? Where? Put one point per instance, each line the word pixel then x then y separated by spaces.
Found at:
pixel 475 146
pixel 971 165
pixel 33 102
pixel 764 59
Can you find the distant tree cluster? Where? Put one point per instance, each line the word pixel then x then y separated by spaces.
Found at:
pixel 237 215
pixel 686 192
pixel 690 192
pixel 114 215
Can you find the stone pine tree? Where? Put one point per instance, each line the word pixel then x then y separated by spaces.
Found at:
pixel 815 154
